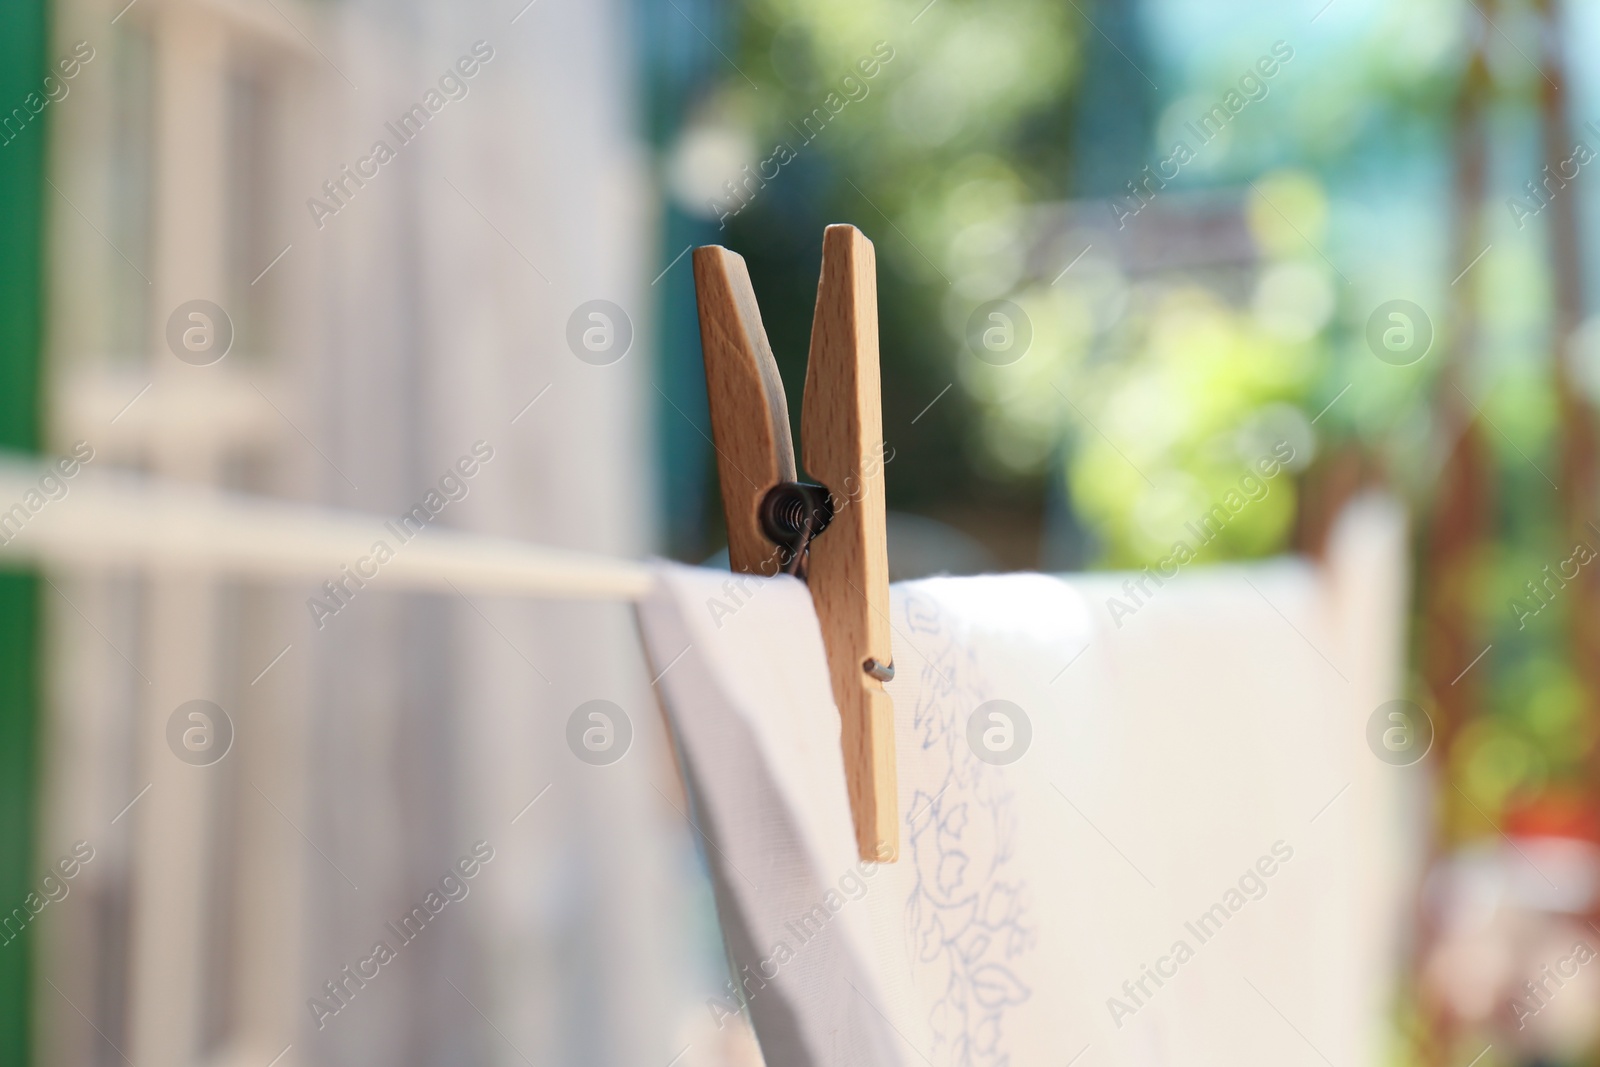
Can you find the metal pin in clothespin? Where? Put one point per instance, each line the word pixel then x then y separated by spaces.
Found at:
pixel 776 523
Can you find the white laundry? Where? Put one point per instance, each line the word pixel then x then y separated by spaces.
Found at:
pixel 1194 859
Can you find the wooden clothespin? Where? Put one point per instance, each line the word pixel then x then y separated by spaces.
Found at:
pixel 832 534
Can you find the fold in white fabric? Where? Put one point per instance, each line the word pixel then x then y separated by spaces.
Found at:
pixel 1156 833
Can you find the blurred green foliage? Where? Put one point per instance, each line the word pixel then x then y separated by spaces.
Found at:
pixel 936 156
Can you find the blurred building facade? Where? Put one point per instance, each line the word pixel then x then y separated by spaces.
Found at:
pixel 392 313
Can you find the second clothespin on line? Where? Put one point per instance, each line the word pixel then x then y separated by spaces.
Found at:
pixel 832 534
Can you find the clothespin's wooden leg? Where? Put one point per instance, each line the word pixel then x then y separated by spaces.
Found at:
pixel 842 433
pixel 749 414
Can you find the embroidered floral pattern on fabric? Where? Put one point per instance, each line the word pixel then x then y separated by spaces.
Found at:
pixel 968 916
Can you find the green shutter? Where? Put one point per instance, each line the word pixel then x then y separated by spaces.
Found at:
pixel 22 71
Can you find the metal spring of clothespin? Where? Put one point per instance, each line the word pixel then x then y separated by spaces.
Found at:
pixel 792 515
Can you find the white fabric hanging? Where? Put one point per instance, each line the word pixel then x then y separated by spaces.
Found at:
pixel 1196 776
